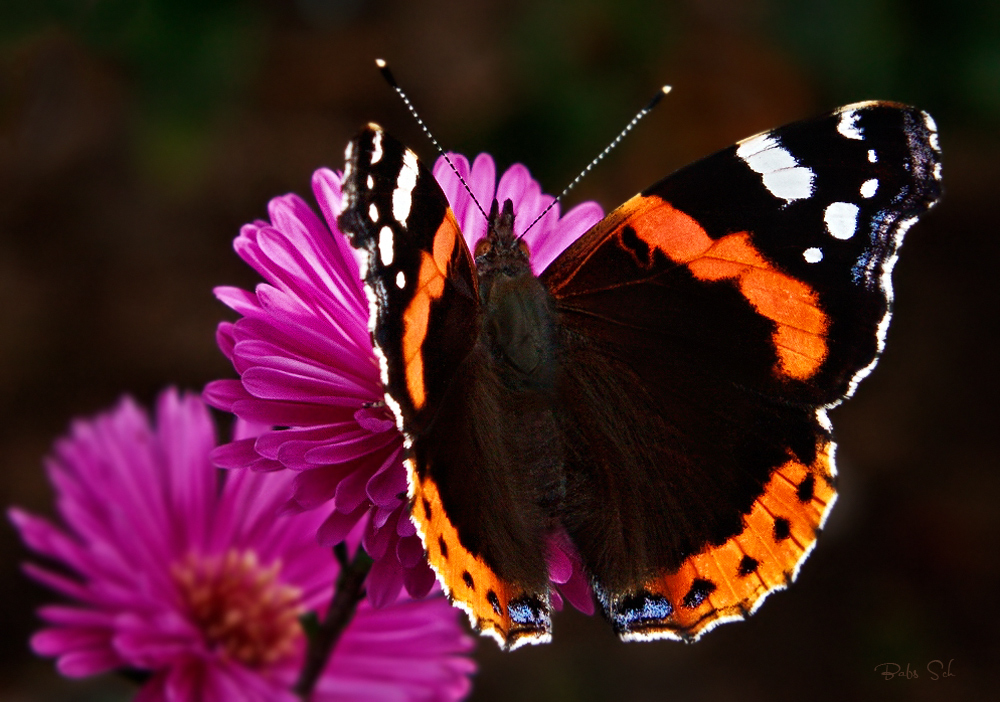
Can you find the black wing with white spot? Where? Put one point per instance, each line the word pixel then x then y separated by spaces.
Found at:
pixel 418 273
pixel 483 540
pixel 828 202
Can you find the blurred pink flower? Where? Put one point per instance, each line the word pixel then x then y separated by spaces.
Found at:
pixel 305 361
pixel 199 584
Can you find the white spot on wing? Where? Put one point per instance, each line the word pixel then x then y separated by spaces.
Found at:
pixel 790 184
pixel 385 251
pixel 833 467
pixel 402 196
pixel 361 257
pixel 813 255
pixel 382 363
pixel 848 125
pixel 781 173
pixel 869 187
pixel 533 639
pixel 400 280
pixel 373 212
pixel 883 325
pixel 904 226
pixel 346 194
pixel 937 171
pixel 824 420
pixel 763 155
pixel 371 182
pixel 929 122
pixel 376 147
pixel 391 403
pixel 841 219
pixel 348 158
pixel 872 156
pixel 931 125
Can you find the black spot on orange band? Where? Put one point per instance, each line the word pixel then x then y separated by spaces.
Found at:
pixel 700 589
pixel 494 601
pixel 782 529
pixel 806 488
pixel 747 566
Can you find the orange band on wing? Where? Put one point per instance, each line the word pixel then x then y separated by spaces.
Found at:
pixel 800 334
pixel 416 317
pixel 729 581
pixel 466 578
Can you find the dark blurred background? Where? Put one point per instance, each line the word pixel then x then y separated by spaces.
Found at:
pixel 136 136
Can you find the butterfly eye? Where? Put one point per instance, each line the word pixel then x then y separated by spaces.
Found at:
pixel 483 247
pixel 523 246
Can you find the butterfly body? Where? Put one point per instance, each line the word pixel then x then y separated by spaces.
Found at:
pixel 658 393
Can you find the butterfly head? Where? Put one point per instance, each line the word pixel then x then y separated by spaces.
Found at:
pixel 500 251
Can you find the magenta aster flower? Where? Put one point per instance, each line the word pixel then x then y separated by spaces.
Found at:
pixel 305 360
pixel 200 585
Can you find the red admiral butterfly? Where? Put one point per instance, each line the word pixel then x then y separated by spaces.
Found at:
pixel 660 391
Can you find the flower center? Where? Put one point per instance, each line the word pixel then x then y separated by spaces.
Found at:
pixel 242 609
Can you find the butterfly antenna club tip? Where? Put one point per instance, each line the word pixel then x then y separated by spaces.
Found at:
pixel 383 68
pixel 659 96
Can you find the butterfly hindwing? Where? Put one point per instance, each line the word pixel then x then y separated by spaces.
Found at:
pixel 734 301
pixel 481 530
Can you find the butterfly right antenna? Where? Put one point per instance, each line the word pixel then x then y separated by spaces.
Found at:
pixel 621 135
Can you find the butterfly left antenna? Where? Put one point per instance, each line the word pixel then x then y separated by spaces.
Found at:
pixel 383 68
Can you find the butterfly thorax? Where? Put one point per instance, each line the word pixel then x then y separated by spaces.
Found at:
pixel 519 316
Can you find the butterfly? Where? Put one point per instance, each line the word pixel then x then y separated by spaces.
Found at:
pixel 659 393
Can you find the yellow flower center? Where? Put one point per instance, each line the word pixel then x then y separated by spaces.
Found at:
pixel 243 610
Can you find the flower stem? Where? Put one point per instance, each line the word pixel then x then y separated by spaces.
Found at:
pixel 323 637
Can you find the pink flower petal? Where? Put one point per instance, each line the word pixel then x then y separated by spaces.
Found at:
pixel 88 661
pixel 337 526
pixel 409 552
pixel 56 642
pixel 389 481
pixel 223 394
pixel 241 454
pixel 420 579
pixel 385 580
